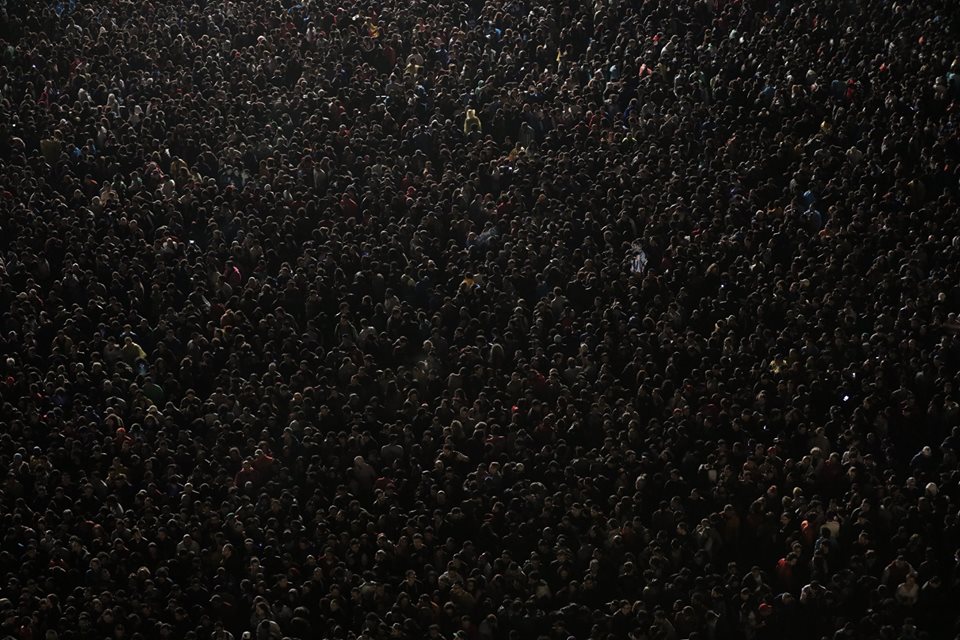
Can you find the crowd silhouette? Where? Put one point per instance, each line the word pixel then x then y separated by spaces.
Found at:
pixel 479 320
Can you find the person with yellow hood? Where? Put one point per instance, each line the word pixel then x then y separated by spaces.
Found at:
pixel 472 122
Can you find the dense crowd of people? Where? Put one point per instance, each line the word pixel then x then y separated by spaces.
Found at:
pixel 479 320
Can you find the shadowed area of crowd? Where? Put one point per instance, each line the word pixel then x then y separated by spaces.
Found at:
pixel 483 320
